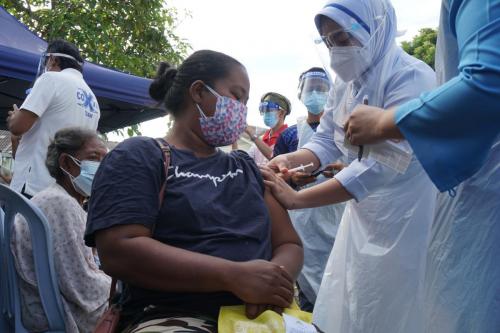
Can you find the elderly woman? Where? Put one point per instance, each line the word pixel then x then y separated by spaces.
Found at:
pixel 72 159
pixel 373 281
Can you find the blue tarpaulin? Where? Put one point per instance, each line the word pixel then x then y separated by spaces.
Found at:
pixel 123 98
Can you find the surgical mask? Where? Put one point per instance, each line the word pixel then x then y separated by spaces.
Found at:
pixel 349 62
pixel 228 122
pixel 83 182
pixel 315 101
pixel 271 118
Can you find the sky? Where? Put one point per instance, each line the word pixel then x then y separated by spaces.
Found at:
pixel 274 39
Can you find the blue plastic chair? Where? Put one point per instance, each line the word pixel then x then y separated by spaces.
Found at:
pixel 10 321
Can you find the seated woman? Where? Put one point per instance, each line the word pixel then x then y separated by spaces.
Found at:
pixel 219 238
pixel 72 159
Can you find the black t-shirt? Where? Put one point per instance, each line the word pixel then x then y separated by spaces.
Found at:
pixel 212 205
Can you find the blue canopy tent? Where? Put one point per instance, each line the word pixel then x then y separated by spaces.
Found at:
pixel 123 98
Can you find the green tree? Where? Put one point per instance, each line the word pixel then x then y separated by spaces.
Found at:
pixel 130 35
pixel 423 46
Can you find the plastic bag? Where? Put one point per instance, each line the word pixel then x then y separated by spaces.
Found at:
pixel 232 319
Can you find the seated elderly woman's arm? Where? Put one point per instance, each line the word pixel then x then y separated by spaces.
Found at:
pixel 129 253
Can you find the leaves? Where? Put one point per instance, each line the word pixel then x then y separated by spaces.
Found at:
pixel 423 46
pixel 129 35
pixel 132 36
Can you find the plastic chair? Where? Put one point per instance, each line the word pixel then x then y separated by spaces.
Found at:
pixel 10 320
pixel 4 327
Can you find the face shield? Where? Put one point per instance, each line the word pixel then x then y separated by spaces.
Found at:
pixel 313 91
pixel 44 58
pixel 268 106
pixel 357 35
pixel 313 82
pixel 345 36
pixel 341 37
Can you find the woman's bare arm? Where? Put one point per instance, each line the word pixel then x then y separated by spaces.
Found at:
pixel 130 254
pixel 287 246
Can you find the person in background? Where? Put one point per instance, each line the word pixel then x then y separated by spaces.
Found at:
pixel 316 227
pixel 313 93
pixel 273 108
pixel 374 278
pixel 455 133
pixel 59 98
pixel 219 237
pixel 72 159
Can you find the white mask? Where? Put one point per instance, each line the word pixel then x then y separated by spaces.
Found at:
pixel 349 62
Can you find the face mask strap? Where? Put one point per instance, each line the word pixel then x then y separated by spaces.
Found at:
pixel 77 161
pixel 212 90
pixel 201 111
pixel 203 115
pixel 71 177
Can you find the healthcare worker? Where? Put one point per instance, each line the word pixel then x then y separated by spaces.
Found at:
pixel 316 227
pixel 461 122
pixel 374 278
pixel 273 108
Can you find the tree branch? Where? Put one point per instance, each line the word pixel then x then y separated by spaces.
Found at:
pixel 28 13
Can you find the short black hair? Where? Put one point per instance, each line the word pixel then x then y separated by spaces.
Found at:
pixel 63 46
pixel 171 85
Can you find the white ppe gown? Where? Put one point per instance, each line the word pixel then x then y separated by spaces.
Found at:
pixel 374 279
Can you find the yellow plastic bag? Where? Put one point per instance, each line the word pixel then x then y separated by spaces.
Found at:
pixel 232 319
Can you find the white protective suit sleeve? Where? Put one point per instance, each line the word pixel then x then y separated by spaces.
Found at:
pixel 360 178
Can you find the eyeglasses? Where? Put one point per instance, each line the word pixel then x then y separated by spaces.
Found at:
pixel 339 37
pixel 269 106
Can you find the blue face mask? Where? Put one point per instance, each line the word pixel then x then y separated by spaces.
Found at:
pixel 315 101
pixel 271 118
pixel 83 182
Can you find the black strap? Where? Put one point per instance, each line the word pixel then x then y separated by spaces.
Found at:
pixel 165 148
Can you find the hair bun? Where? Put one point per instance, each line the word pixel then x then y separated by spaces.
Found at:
pixel 163 81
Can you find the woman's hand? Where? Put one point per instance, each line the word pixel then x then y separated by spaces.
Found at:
pixel 261 282
pixel 302 178
pixel 280 165
pixel 252 311
pixel 287 196
pixel 369 124
pixel 333 168
pixel 250 130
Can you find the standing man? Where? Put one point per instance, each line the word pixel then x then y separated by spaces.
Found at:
pixel 273 108
pixel 59 98
pixel 317 227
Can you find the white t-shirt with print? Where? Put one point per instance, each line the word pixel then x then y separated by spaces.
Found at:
pixel 60 99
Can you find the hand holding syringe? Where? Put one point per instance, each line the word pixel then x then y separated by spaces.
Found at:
pixel 298 176
pixel 301 167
